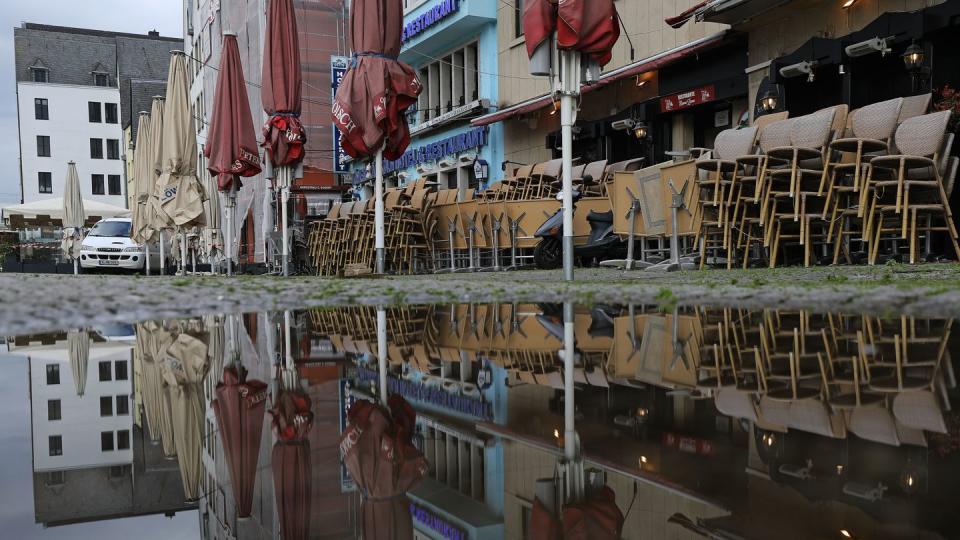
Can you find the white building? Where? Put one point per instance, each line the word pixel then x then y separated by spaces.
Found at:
pixel 60 123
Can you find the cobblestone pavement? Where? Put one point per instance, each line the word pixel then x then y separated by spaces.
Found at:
pixel 34 303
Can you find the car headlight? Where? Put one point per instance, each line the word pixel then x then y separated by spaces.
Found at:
pixel 131 249
pixel 87 247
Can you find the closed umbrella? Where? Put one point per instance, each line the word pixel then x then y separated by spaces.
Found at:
pixel 78 344
pixel 153 340
pixel 290 461
pixel 155 217
pixel 142 182
pixel 378 451
pixel 181 197
pixel 239 408
pixel 184 369
pixel 371 102
pixel 231 148
pixel 73 217
pixel 284 136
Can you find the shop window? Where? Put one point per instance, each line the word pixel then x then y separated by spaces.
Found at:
pixel 53 410
pixel 448 83
pixel 55 443
pixel 113 184
pixel 53 374
pixel 96 187
pixel 45 182
pixel 41 109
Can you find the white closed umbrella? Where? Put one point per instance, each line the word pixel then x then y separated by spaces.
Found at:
pixel 142 182
pixel 152 164
pixel 73 216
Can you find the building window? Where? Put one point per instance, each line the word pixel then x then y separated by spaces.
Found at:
pixel 53 410
pixel 123 405
pixel 55 443
pixel 43 146
pixel 103 367
pixel 56 478
pixel 93 111
pixel 41 109
pixel 96 187
pixel 120 370
pixel 449 82
pixel 96 148
pixel 40 75
pixel 114 184
pixel 119 471
pixel 110 113
pixel 101 79
pixel 45 180
pixel 106 406
pixel 518 18
pixel 53 373
pixel 123 439
pixel 113 149
pixel 106 441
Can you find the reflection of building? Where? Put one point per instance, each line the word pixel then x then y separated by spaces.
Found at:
pixel 91 462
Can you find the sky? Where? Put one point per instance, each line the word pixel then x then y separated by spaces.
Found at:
pixel 133 16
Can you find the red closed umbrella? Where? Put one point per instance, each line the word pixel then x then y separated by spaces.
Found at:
pixel 372 98
pixel 290 461
pixel 239 408
pixel 597 517
pixel 283 135
pixel 378 451
pixel 588 26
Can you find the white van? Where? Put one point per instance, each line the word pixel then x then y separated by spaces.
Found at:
pixel 108 245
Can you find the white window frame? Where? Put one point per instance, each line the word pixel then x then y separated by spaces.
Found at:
pixel 447 80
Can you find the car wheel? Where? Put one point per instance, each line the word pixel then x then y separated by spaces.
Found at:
pixel 548 255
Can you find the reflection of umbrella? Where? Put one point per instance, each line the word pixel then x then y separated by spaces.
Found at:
pixel 292 421
pixel 283 136
pixel 152 342
pixel 79 345
pixel 371 102
pixel 388 519
pixel 183 370
pixel 231 148
pixel 377 450
pixel 239 409
pixel 72 216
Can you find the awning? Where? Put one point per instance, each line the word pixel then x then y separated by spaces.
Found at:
pixel 54 208
pixel 724 11
pixel 651 63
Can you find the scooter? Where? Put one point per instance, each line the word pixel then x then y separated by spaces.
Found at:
pixel 601 244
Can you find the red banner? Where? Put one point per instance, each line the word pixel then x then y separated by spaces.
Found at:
pixel 689 445
pixel 690 98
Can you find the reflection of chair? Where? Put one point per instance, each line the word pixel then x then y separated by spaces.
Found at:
pixel 919 409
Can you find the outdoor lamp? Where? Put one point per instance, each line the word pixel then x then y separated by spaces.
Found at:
pixel 640 130
pixel 848 3
pixel 769 101
pixel 556 105
pixel 913 57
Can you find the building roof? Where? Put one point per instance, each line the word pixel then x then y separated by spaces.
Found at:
pixel 97 33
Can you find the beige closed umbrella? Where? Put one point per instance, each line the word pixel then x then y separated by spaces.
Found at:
pixel 181 195
pixel 184 369
pixel 155 218
pixel 78 344
pixel 73 216
pixel 142 182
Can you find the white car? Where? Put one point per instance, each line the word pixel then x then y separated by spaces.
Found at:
pixel 108 245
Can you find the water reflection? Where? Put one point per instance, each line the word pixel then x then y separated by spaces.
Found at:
pixel 490 421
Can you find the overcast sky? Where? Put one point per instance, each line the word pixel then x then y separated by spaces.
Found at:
pixel 134 16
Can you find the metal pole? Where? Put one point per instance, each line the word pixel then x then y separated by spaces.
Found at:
pixel 76 269
pixel 382 352
pixel 231 217
pixel 569 86
pixel 146 254
pixel 163 254
pixel 285 173
pixel 183 253
pixel 378 208
pixel 287 340
pixel 570 449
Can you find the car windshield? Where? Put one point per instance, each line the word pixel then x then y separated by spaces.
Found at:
pixel 111 228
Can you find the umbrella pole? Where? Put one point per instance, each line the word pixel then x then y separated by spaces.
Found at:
pixel 146 257
pixel 76 269
pixel 231 215
pixel 378 223
pixel 382 352
pixel 285 174
pixel 571 450
pixel 183 253
pixel 163 255
pixel 570 87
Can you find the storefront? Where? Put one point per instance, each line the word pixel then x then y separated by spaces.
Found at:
pixel 452 44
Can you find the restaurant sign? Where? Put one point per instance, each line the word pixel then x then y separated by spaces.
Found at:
pixel 434 15
pixel 689 445
pixel 690 98
pixel 475 138
pixel 338 69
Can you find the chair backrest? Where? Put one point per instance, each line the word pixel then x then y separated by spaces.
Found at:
pixel 578 171
pixel 392 198
pixel 595 169
pixel 524 172
pixel 761 122
pixel 334 212
pixel 346 209
pixel 922 135
pixel 914 106
pixel 626 166
pixel 733 143
pixel 553 168
pixel 812 130
pixel 877 120
pixel 840 114
pixel 776 134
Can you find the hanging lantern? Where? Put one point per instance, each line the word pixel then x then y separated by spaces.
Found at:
pixel 769 101
pixel 913 57
pixel 640 130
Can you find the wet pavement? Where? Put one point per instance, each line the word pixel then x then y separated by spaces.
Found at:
pixel 686 421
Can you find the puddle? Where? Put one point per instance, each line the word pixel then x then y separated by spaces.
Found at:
pixel 692 422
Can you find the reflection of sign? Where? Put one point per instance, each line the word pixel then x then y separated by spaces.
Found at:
pixel 428 519
pixel 688 99
pixel 475 138
pixel 436 396
pixel 485 377
pixel 447 116
pixel 689 445
pixel 434 15
pixel 481 170
pixel 338 68
pixel 346 401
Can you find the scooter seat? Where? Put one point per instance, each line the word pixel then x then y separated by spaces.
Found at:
pixel 600 217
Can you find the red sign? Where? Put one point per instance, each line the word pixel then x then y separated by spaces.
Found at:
pixel 685 100
pixel 689 445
